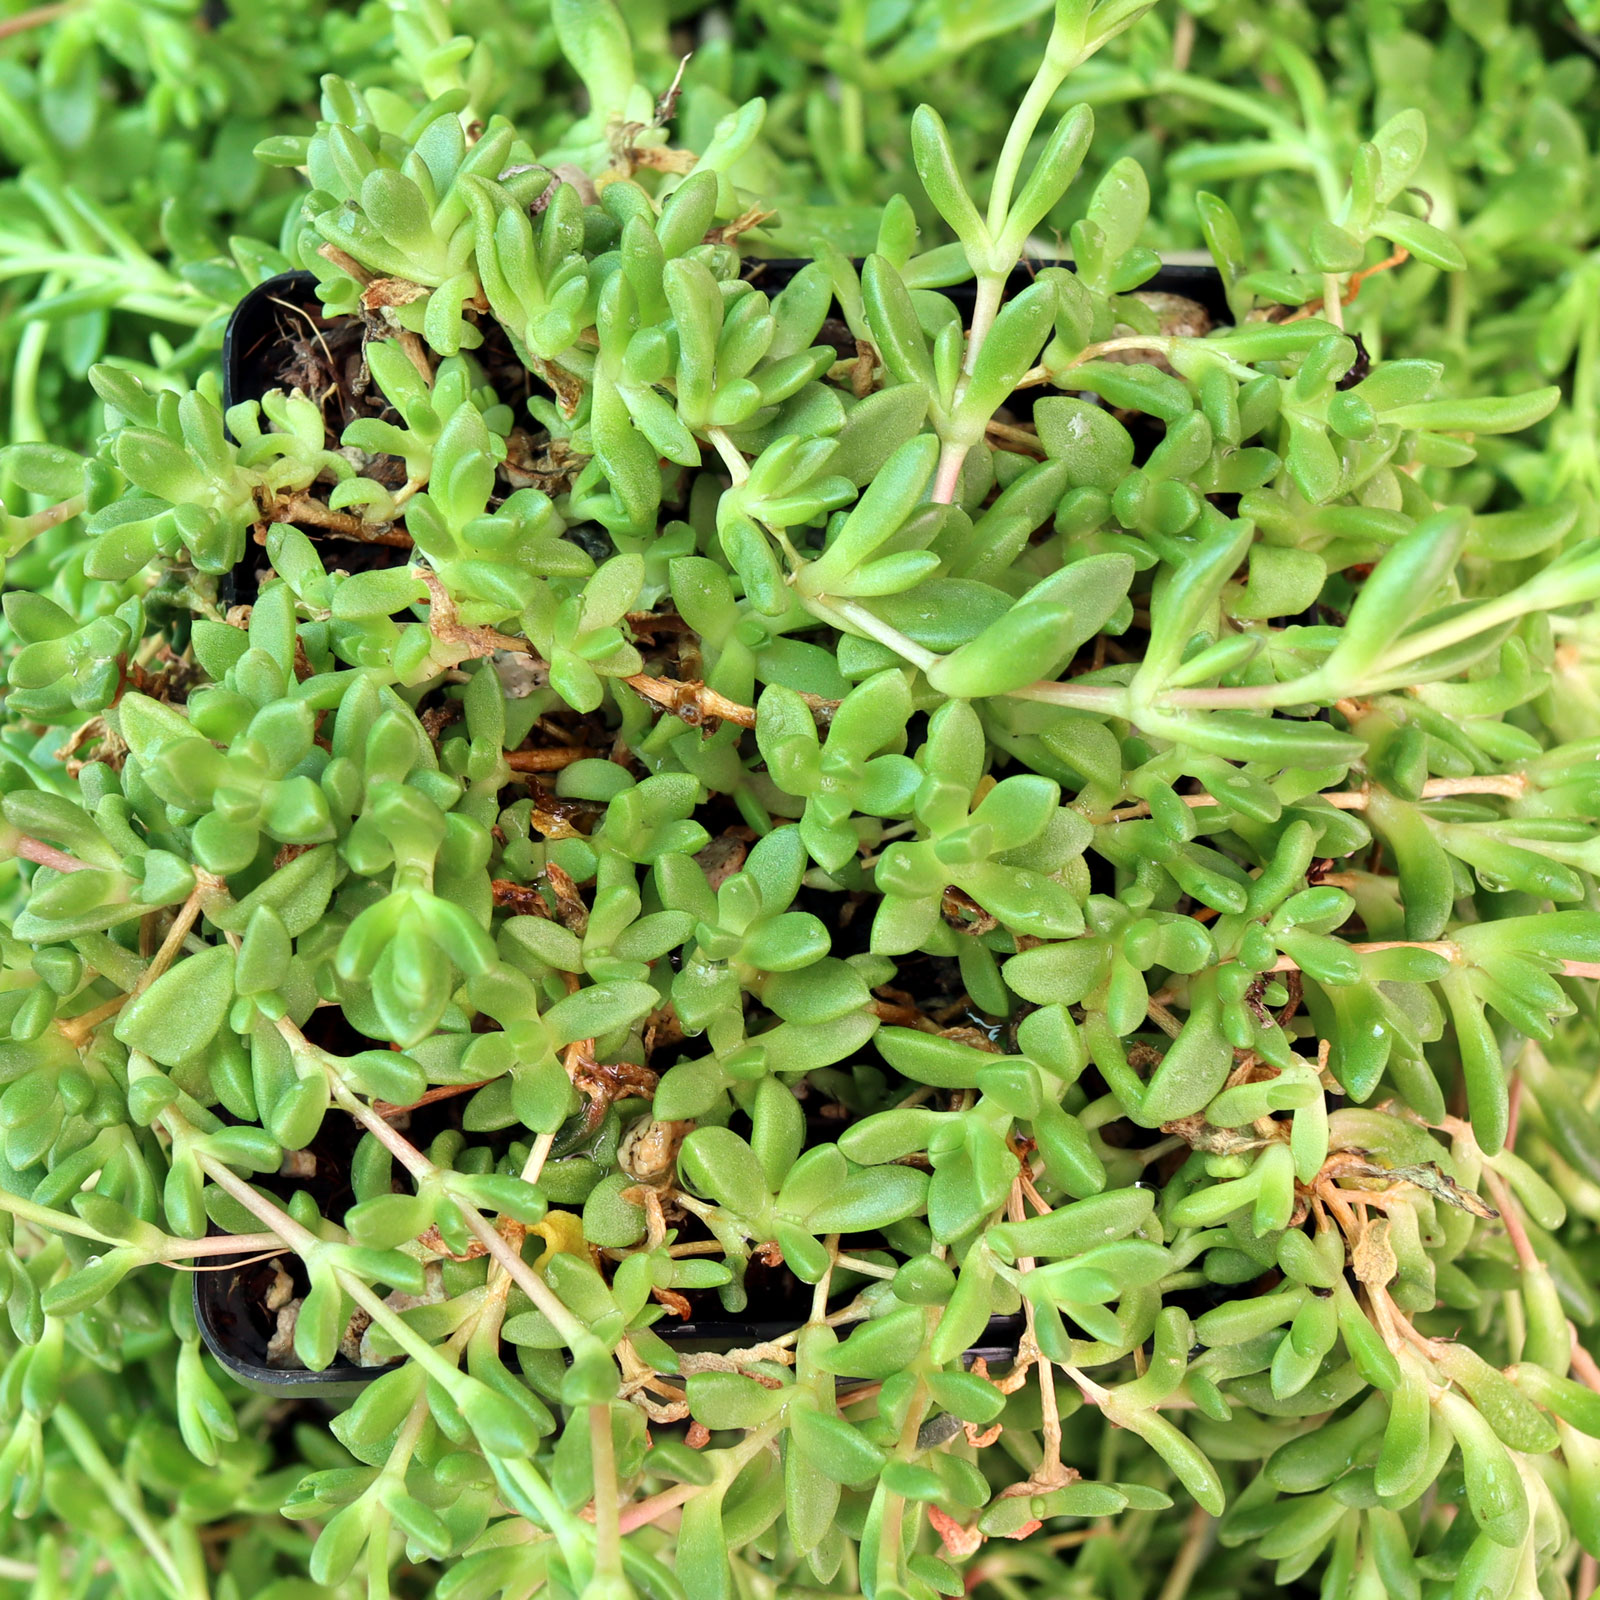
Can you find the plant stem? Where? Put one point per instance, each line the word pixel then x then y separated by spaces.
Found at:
pixel 534 1165
pixel 857 619
pixel 732 457
pixel 41 521
pixel 44 1217
pixel 565 1527
pixel 1583 1363
pixel 1440 947
pixel 658 1505
pixel 1195 1539
pixel 1109 698
pixel 868 1269
pixel 26 422
pixel 299 1239
pixel 37 18
pixel 219 1244
pixel 736 1458
pixel 1447 948
pixel 551 759
pixel 607 1515
pixel 421 1168
pixel 46 855
pixel 1512 785
pixel 986 307
pixel 123 1498
pixel 890 1556
pixel 947 478
pixel 1511 1216
pixel 1035 103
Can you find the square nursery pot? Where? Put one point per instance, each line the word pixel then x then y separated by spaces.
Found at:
pixel 278 328
pixel 229 1307
pixel 277 338
pixel 231 1302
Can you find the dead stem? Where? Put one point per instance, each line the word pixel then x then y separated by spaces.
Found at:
pixel 345 263
pixel 307 508
pixel 691 702
pixel 1025 440
pixel 1353 287
pixel 444 622
pixel 550 759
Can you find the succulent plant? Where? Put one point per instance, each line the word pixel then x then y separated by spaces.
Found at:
pixel 932 804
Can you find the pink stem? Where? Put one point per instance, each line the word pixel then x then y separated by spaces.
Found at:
pixel 46 855
pixel 948 478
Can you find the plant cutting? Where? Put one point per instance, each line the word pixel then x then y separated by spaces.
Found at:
pixel 615 791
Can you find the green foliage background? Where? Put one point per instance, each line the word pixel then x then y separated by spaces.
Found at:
pixel 295 833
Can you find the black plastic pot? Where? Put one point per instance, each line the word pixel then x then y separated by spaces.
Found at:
pixel 229 1304
pixel 285 308
pixel 231 1334
pixel 230 1301
pixel 258 320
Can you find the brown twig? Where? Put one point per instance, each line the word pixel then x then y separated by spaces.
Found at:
pixel 691 702
pixel 345 263
pixel 306 508
pixel 550 759
pixel 444 622
pixel 1353 287
pixel 1012 437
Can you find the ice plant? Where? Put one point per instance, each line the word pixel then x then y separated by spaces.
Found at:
pixel 910 802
